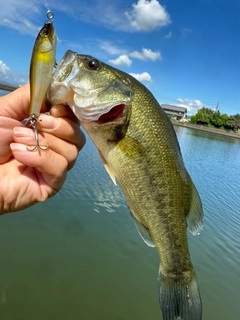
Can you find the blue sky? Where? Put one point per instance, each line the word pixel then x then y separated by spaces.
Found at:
pixel 186 52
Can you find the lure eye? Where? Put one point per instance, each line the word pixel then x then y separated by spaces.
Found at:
pixel 45 31
pixel 92 64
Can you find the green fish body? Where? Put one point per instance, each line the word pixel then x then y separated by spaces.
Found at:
pixel 138 146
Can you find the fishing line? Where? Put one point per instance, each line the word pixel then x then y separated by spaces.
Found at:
pixel 12 22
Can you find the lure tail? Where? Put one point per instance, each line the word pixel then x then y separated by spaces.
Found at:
pixel 179 298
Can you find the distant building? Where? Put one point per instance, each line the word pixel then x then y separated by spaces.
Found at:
pixel 178 113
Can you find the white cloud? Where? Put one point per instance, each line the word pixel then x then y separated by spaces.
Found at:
pixel 143 77
pixel 111 48
pixel 3 68
pixel 122 60
pixel 191 105
pixel 147 15
pixel 8 76
pixel 144 16
pixel 169 35
pixel 146 54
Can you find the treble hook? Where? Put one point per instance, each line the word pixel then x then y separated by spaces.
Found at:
pixel 33 123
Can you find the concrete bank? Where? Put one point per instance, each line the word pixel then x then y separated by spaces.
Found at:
pixel 7 87
pixel 221 132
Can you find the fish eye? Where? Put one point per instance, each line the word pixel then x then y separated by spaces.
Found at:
pixel 45 31
pixel 92 64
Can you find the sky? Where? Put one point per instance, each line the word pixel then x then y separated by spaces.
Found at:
pixel 187 53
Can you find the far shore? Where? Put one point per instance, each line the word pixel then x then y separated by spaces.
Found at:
pixel 222 132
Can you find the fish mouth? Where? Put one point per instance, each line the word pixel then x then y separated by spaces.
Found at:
pixel 112 115
pixel 100 102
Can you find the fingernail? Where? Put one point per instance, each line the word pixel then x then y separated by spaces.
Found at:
pixel 48 122
pixel 18 147
pixel 23 132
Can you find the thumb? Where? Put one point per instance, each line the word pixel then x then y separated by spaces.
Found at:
pixel 16 104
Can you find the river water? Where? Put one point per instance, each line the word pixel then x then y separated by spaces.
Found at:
pixel 79 256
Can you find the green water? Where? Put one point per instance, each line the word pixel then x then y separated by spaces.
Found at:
pixel 79 256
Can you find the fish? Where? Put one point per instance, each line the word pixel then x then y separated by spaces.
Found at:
pixel 41 66
pixel 42 62
pixel 140 151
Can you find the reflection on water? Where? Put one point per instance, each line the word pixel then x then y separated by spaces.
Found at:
pixel 79 256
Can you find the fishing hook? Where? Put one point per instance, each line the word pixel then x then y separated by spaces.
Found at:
pixel 33 123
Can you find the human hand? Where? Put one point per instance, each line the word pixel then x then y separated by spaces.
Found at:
pixel 29 177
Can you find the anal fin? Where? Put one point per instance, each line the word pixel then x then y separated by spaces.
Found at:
pixel 195 214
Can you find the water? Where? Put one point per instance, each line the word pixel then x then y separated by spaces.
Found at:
pixel 79 256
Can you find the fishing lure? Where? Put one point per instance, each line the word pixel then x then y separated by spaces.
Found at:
pixel 41 66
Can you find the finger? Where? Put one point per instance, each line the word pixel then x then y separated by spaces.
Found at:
pixel 16 104
pixel 26 136
pixel 6 125
pixel 63 111
pixel 51 165
pixel 63 128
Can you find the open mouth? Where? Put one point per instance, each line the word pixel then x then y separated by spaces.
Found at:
pixel 111 115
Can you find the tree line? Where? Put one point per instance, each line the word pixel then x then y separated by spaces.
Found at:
pixel 214 118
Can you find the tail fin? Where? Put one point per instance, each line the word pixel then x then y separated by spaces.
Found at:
pixel 179 298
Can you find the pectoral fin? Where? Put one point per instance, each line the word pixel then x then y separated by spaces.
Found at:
pixel 131 148
pixel 143 231
pixel 109 170
pixel 195 215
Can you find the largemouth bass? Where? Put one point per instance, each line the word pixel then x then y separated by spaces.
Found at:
pixel 41 66
pixel 139 148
